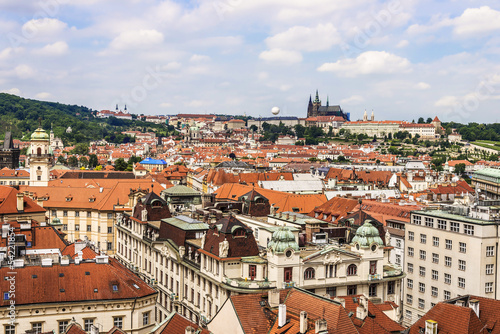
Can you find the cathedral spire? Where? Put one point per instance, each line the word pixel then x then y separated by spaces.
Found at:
pixel 327 101
pixel 316 99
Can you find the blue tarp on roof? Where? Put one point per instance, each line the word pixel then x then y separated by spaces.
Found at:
pixel 149 161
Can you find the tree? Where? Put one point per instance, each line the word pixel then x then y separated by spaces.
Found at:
pixel 120 164
pixel 299 130
pixel 93 161
pixel 421 120
pixel 84 162
pixel 460 168
pixel 62 160
pixel 254 128
pixel 80 149
pixel 232 155
pixel 429 120
pixel 72 161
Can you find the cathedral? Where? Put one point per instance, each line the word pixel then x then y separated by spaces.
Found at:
pixel 315 109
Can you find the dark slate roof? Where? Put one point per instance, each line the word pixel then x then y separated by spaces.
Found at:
pixel 329 108
pixel 234 164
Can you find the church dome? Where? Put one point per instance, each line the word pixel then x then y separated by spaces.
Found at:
pixel 39 134
pixel 56 221
pixel 282 240
pixel 366 235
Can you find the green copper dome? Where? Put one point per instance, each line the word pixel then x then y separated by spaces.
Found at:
pixel 366 235
pixel 39 134
pixel 282 240
pixel 56 221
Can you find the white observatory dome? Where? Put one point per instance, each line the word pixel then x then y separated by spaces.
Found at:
pixel 275 110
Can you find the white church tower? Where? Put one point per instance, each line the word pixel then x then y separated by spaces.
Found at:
pixel 40 158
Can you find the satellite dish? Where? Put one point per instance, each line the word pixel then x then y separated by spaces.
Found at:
pixel 275 110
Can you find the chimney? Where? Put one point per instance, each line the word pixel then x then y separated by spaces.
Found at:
pixel 287 216
pixel 20 202
pixel 431 327
pixel 340 300
pixel 362 309
pixel 303 322
pixel 321 326
pixel 273 298
pixel 474 305
pixel 294 218
pixel 281 315
pixel 189 330
pixel 79 246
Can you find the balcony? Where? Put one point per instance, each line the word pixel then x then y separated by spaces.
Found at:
pixel 287 285
pixel 392 270
pixel 374 277
pixel 248 284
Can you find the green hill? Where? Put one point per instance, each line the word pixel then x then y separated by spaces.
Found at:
pixel 21 116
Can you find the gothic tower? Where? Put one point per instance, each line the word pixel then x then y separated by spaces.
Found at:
pixel 316 103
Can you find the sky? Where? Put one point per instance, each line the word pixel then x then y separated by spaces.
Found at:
pixel 403 59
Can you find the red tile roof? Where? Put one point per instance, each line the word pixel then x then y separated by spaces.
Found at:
pixel 176 324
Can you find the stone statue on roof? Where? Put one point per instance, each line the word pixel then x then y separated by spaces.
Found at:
pixel 224 248
pixel 387 238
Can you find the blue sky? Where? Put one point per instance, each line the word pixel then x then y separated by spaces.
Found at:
pixel 402 58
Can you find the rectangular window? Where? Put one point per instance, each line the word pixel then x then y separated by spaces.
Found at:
pixel 118 322
pixel 434 291
pixel 421 287
pixel 421 271
pixel 417 220
pixel 54 213
pixel 408 314
pixel 110 229
pixel 435 258
pixel 469 229
pixel 488 287
pixel 423 238
pixel 398 259
pixel 435 275
pixel 10 329
pixel 442 224
pixel 409 283
pixel 110 215
pixel 461 265
pixel 89 214
pixel 410 267
pixel 109 246
pixel 65 213
pixel 421 303
pixel 77 213
pixel 449 244
pixel 145 318
pixel 447 295
pixel 331 291
pixel 391 287
pixel 447 261
pixel 62 326
pixel 410 251
pixel 372 290
pixel 454 227
pixel 398 243
pixel 462 247
pixel 489 269
pixel 373 267
pixel 409 299
pixel 447 278
pixel 89 228
pixel 423 255
pixel 77 227
pixel 435 241
pixel 429 222
pixel 461 282
pixel 352 290
pixel 88 324
pixel 411 236
pixel 490 250
pixel 36 327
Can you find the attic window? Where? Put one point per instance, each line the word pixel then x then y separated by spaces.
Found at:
pixel 87 273
pixel 115 287
pixel 92 199
pixel 295 209
pixel 69 198
pixel 239 232
pixel 62 290
pixel 95 290
pixel 34 276
pixel 233 196
pixel 61 274
pixel 136 286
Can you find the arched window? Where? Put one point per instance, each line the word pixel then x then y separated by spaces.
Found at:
pixel 239 232
pixel 352 270
pixel 309 273
pixel 39 151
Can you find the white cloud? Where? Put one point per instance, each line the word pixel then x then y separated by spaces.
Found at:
pixel 285 57
pixel 447 101
pixel 43 29
pixel 300 38
pixel 24 71
pixel 172 66
pixel 43 96
pixel 370 62
pixel 354 99
pixel 199 58
pixel 477 21
pixel 263 75
pixel 402 44
pixel 136 39
pixel 422 86
pixel 198 103
pixel 13 91
pixel 166 105
pixel 56 49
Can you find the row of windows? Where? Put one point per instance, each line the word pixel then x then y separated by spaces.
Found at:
pixel 462 264
pixel 443 225
pixel 109 215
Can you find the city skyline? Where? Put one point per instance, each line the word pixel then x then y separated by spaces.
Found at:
pixel 403 60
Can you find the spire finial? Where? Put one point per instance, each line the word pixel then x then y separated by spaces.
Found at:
pixel 327 101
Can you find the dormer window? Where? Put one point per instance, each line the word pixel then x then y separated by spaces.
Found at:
pixel 239 233
pixel 92 199
pixel 69 198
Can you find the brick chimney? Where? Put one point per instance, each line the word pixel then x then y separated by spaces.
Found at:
pixel 189 330
pixel 20 202
pixel 431 327
pixel 303 322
